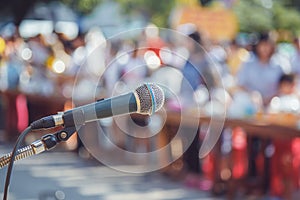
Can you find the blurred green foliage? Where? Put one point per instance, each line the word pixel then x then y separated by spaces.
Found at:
pixel 265 15
pixel 253 15
pixel 82 6
pixel 156 11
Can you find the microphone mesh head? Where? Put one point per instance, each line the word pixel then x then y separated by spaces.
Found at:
pixel 151 98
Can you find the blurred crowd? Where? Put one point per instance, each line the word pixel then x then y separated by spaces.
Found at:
pixel 257 73
pixel 253 73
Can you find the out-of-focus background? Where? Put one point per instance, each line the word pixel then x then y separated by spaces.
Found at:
pixel 230 70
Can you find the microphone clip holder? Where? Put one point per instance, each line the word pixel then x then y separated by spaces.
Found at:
pixel 51 140
pixel 47 142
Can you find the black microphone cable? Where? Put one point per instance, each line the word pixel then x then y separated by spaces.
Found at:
pixel 12 159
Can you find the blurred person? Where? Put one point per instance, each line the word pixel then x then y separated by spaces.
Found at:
pixel 109 81
pixel 196 70
pixel 78 54
pixel 219 57
pixel 284 168
pixel 125 70
pixel 133 73
pixel 112 72
pixel 150 39
pixel 286 85
pixel 10 73
pixel 236 55
pixel 135 70
pixel 67 44
pixel 261 72
pixel 12 65
pixel 40 51
pixel 34 77
pixel 287 97
pixel 295 60
pixel 34 80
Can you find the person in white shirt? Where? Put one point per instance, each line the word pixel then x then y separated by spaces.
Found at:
pixel 261 73
pixel 295 60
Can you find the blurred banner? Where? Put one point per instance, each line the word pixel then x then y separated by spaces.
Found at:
pixel 217 22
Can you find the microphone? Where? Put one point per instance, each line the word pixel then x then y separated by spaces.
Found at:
pixel 146 99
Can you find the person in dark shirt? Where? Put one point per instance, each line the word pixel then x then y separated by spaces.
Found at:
pixel 197 70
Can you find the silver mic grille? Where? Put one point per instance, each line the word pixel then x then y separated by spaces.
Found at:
pixel 150 98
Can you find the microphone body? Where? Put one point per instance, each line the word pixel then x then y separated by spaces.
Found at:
pixel 101 109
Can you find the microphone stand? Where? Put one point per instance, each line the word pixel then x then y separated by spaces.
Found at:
pixel 47 142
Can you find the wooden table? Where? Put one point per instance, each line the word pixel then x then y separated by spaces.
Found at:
pixel 266 127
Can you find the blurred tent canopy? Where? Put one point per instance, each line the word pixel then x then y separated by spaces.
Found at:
pixel 15 10
pixel 111 25
pixel 154 11
pixel 54 11
pixel 34 15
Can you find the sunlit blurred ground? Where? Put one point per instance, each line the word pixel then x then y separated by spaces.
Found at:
pixel 64 175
